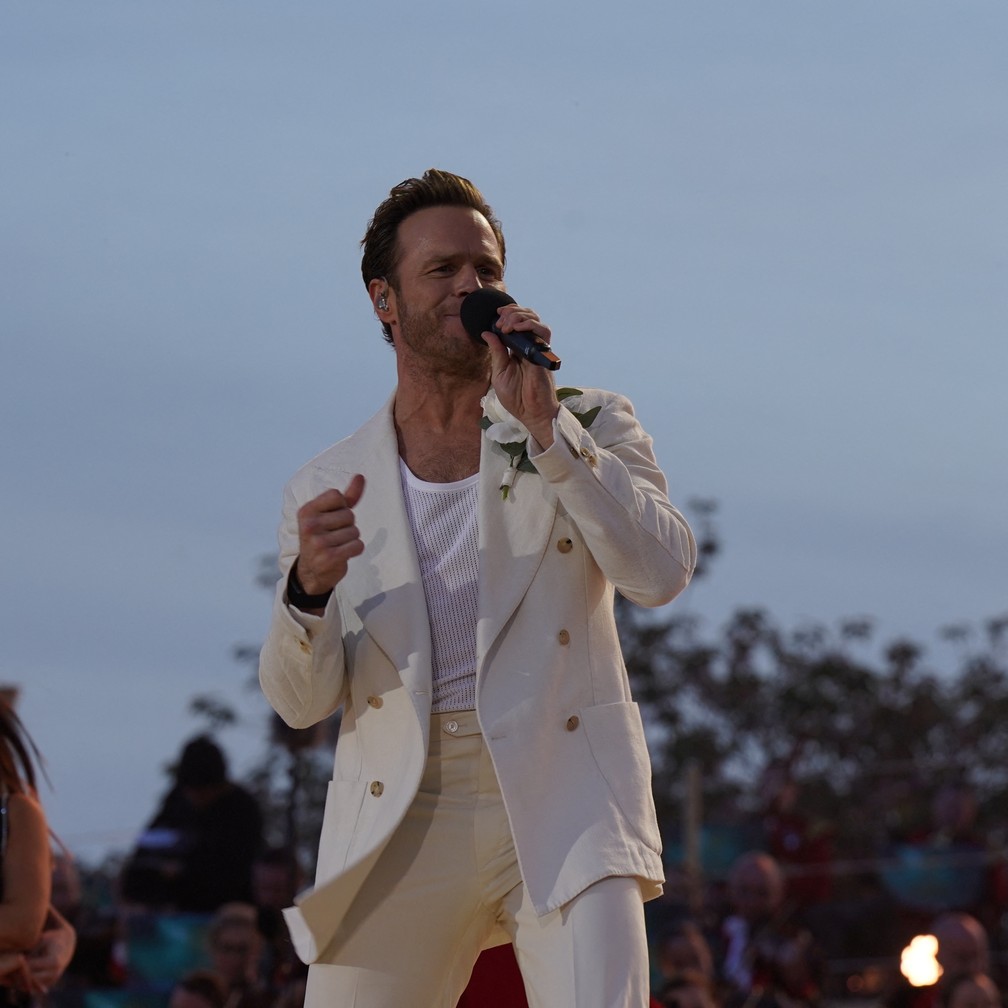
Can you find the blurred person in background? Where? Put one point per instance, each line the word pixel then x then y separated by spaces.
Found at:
pixel 688 989
pixel 276 879
pixel 802 846
pixel 36 942
pixel 93 962
pixel 767 958
pixel 971 990
pixel 198 851
pixel 236 955
pixel 198 989
pixel 963 950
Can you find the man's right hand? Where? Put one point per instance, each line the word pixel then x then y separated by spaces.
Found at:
pixel 328 537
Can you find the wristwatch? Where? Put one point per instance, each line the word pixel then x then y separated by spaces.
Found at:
pixel 299 598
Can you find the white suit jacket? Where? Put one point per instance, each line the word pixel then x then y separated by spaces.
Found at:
pixel 552 696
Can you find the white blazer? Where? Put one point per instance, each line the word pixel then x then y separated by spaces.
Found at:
pixel 552 695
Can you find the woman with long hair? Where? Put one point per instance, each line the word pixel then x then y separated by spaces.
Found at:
pixel 26 875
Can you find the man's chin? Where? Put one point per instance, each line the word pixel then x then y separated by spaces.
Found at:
pixel 474 365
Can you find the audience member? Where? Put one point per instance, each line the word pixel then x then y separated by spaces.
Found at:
pixel 688 989
pixel 198 989
pixel 198 851
pixel 767 958
pixel 25 858
pixel 751 928
pixel 962 944
pixel 48 960
pixel 963 950
pixel 276 879
pixel 971 990
pixel 948 865
pixel 91 961
pixel 682 949
pixel 236 954
pixel 802 847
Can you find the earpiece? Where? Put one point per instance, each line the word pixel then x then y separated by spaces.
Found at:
pixel 382 302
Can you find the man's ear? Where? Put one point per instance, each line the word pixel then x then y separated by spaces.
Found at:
pixel 380 291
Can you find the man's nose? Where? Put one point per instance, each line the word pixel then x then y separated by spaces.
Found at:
pixel 468 280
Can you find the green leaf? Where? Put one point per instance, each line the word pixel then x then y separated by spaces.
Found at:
pixel 485 422
pixel 525 465
pixel 566 392
pixel 586 418
pixel 513 448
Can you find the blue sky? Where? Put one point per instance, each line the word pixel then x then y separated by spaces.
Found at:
pixel 778 227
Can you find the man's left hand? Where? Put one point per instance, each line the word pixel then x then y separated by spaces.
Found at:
pixel 525 390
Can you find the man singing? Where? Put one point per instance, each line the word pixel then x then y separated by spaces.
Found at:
pixel 447 579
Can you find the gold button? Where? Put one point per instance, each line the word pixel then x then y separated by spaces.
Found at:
pixel 451 727
pixel 565 545
pixel 377 788
pixel 585 453
pixel 375 701
pixel 563 637
pixel 572 722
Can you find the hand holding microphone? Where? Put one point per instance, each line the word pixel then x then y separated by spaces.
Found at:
pixel 479 315
pixel 527 393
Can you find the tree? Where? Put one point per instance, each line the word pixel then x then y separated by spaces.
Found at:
pixel 850 723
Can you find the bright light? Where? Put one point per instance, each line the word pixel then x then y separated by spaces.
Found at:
pixel 918 962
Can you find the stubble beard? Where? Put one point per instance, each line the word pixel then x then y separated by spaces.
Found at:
pixel 423 334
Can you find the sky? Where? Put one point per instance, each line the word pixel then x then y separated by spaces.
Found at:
pixel 779 227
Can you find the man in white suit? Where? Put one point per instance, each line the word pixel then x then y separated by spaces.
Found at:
pixel 447 579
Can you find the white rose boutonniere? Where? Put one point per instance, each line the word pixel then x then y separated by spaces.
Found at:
pixel 512 436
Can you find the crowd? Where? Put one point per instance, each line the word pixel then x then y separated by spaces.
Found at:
pixel 196 915
pixel 794 925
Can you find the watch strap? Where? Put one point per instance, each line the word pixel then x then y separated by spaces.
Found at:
pixel 299 598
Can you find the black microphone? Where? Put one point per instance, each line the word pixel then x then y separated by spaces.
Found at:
pixel 479 315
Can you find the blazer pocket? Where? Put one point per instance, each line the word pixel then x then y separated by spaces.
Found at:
pixel 344 800
pixel 615 735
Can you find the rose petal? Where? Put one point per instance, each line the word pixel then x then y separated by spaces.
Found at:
pixel 507 432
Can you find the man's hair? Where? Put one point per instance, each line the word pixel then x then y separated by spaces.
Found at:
pixel 436 188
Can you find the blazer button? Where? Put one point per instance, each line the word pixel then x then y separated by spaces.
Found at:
pixel 565 545
pixel 377 788
pixel 375 701
pixel 563 637
pixel 572 722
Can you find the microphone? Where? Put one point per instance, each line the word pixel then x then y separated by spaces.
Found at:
pixel 479 315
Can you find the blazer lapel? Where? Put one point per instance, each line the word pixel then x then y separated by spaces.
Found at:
pixel 513 535
pixel 385 579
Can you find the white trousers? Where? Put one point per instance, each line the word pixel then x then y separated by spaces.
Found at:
pixel 448 879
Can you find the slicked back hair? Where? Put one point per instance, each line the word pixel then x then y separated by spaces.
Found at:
pixel 436 188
